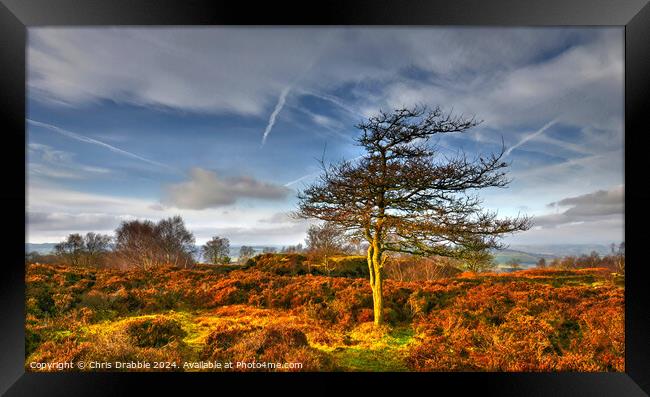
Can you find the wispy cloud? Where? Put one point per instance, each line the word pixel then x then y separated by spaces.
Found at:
pixel 85 139
pixel 278 107
pixel 52 163
pixel 531 136
pixel 574 75
pixel 357 114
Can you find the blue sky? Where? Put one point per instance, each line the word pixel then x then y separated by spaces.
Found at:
pixel 224 125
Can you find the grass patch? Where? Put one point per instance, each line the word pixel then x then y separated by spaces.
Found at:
pixel 372 350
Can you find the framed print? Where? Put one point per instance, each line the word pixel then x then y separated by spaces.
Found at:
pixel 359 193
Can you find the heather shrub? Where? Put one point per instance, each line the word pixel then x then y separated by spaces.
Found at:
pixel 349 266
pixel 222 338
pixel 66 350
pixel 154 332
pixel 118 346
pixel 271 344
pixel 280 264
pixel 32 340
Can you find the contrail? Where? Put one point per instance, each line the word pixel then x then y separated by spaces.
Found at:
pixel 334 100
pixel 531 136
pixel 92 141
pixel 301 178
pixel 283 95
pixel 315 173
pixel 278 107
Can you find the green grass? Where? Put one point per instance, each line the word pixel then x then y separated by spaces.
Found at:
pixel 372 354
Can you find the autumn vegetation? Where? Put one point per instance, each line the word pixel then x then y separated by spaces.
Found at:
pixel 397 274
pixel 276 309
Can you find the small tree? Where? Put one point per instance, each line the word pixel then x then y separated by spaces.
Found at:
pixel 541 263
pixel 136 244
pixel 71 250
pixel 96 247
pixel 245 252
pixel 290 249
pixel 619 256
pixel 324 241
pixel 478 261
pixel 401 197
pixel 217 250
pixel 269 250
pixel 87 250
pixel 514 264
pixel 32 257
pixel 176 242
pixel 568 262
pixel 146 244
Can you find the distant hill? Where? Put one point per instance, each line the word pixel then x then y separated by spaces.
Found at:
pixel 44 248
pixel 558 250
pixel 522 257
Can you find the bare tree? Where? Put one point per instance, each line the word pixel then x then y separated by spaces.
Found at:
pixel 96 246
pixel 136 244
pixel 217 250
pixel 290 249
pixel 514 264
pixel 176 242
pixel 245 252
pixel 541 263
pixel 403 198
pixel 146 244
pixel 71 250
pixel 619 256
pixel 87 250
pixel 324 241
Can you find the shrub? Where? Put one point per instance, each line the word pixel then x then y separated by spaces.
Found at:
pixel 117 346
pixel 32 341
pixel 222 338
pixel 66 350
pixel 280 264
pixel 272 344
pixel 154 332
pixel 350 266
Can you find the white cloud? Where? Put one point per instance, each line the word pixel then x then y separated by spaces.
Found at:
pixel 599 203
pixel 217 70
pixel 604 231
pixel 54 212
pixel 207 189
pixel 71 222
pixel 241 70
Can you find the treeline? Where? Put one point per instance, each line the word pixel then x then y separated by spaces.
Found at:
pixel 145 244
pixel 135 244
pixel 614 261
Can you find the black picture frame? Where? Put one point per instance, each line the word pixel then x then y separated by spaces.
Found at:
pixel 17 15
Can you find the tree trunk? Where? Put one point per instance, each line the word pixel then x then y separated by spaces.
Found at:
pixel 374 266
pixel 378 300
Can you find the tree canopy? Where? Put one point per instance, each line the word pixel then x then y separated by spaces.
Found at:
pixel 404 196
